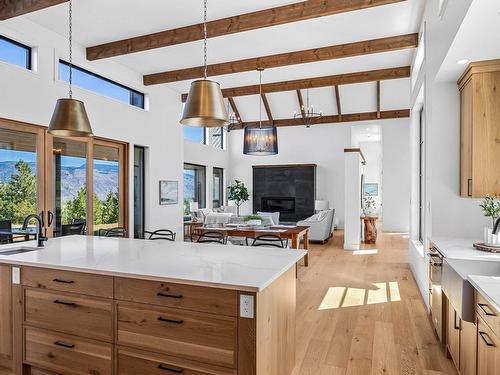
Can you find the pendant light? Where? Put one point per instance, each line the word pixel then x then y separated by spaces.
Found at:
pixel 261 141
pixel 205 106
pixel 70 117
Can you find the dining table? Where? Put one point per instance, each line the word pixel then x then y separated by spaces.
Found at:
pixel 290 232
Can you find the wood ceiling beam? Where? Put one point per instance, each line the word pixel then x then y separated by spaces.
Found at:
pixel 14 8
pixel 326 81
pixel 337 101
pixel 301 104
pixel 331 119
pixel 250 21
pixel 267 107
pixel 235 109
pixel 365 47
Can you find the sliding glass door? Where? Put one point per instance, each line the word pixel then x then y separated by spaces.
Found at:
pixel 218 188
pixel 78 185
pixel 194 186
pixel 21 174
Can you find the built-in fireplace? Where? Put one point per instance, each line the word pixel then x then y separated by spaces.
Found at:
pixel 288 189
pixel 275 204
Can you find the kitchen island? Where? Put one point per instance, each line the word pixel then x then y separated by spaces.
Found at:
pixel 91 305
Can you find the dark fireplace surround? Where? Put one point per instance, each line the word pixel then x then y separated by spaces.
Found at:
pixel 289 189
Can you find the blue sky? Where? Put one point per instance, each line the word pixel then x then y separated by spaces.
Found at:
pixel 193 134
pixel 12 54
pixel 30 157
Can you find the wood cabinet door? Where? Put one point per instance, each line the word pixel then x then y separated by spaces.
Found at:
pixel 468 344
pixel 453 334
pixel 466 116
pixel 488 351
pixel 5 312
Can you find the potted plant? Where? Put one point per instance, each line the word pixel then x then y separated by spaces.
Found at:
pixel 253 220
pixel 238 193
pixel 369 205
pixel 491 207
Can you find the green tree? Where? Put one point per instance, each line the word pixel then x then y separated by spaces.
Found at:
pixel 18 196
pixel 75 208
pixel 110 208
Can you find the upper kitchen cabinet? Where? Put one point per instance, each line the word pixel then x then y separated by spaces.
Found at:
pixel 480 129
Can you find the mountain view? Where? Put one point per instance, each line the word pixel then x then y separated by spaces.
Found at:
pixel 105 178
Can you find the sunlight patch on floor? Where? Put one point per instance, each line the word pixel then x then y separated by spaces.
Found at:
pixel 338 296
pixel 365 252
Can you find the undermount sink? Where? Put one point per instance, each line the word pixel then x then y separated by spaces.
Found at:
pixel 458 289
pixel 17 251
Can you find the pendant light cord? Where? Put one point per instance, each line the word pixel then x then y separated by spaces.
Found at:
pixel 70 49
pixel 205 37
pixel 260 98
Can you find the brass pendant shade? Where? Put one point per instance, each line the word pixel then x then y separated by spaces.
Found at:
pixel 70 119
pixel 260 141
pixel 205 106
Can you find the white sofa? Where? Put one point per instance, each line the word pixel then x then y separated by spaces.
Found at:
pixel 320 225
pixel 221 215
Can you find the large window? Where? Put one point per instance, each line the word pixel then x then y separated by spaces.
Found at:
pixel 194 186
pixel 139 184
pixel 216 137
pixel 193 134
pixel 101 85
pixel 218 189
pixel 15 53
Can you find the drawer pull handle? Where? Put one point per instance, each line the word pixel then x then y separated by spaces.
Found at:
pixel 161 294
pixel 486 338
pixel 63 281
pixel 482 307
pixel 177 370
pixel 72 304
pixel 175 321
pixel 64 345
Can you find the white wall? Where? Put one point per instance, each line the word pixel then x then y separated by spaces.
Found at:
pixel 30 96
pixel 322 145
pixel 396 176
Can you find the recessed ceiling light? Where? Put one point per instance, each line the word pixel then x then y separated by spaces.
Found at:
pixel 463 61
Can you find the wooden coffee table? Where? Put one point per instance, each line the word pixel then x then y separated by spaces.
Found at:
pixel 293 234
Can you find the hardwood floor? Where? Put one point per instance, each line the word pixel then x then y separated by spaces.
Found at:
pixel 361 313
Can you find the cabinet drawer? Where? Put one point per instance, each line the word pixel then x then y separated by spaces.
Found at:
pixel 66 281
pixel 212 300
pixel 134 362
pixel 488 313
pixel 66 354
pixel 69 313
pixel 198 336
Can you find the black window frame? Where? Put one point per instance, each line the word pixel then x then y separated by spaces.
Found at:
pixel 139 229
pixel 220 201
pixel 200 194
pixel 130 90
pixel 28 49
pixel 221 135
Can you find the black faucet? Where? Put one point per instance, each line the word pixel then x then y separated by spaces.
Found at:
pixel 41 239
pixel 496 226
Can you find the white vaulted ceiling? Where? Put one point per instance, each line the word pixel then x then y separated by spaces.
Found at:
pixel 100 21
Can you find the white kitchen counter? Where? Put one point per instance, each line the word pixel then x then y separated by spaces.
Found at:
pixel 489 287
pixel 461 248
pixel 232 267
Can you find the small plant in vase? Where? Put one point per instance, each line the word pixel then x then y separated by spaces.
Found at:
pixel 238 193
pixel 369 205
pixel 491 208
pixel 253 220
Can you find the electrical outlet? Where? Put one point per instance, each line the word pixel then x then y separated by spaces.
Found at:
pixel 16 275
pixel 246 306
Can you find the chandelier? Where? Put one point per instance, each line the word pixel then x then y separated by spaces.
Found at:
pixel 307 112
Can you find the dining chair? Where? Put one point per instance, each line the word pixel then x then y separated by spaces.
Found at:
pixel 160 234
pixel 270 240
pixel 7 226
pixel 212 237
pixel 113 232
pixel 71 229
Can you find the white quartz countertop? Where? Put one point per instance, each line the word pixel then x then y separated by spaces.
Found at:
pixel 461 248
pixel 225 266
pixel 489 287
